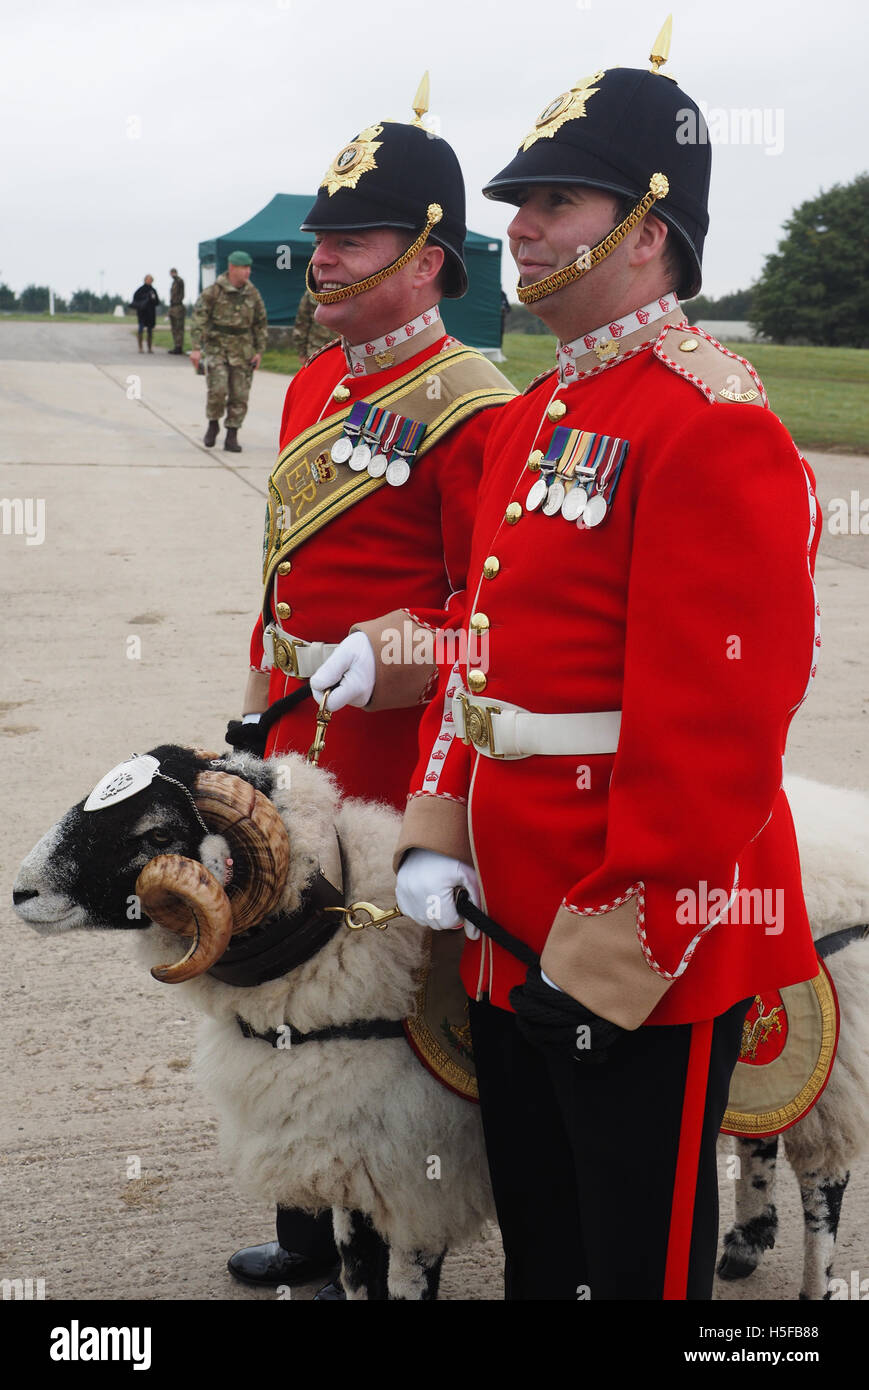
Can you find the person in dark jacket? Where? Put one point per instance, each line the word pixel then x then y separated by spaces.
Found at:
pixel 145 302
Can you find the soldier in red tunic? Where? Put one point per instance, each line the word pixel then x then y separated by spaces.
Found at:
pixel 371 501
pixel 607 763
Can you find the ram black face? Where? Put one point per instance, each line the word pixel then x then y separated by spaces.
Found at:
pixel 82 873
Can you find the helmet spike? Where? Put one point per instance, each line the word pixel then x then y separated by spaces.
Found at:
pixel 661 47
pixel 420 101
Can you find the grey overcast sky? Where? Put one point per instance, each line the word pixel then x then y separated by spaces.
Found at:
pixel 129 132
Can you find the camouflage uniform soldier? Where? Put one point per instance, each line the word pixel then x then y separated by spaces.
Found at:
pixel 229 325
pixel 308 335
pixel 177 314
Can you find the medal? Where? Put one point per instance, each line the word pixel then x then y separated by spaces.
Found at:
pixel 554 498
pixel 397 472
pixel 343 447
pixel 536 494
pixel 574 503
pixel 369 437
pixel 389 431
pixel 595 510
pixel 341 450
pixel 404 437
pixel 548 489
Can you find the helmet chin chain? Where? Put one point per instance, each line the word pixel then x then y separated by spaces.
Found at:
pixel 659 187
pixel 434 213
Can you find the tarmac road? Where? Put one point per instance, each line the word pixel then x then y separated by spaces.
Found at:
pixel 149 536
pixel 45 341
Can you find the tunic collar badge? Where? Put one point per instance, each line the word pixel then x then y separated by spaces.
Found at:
pixel 605 342
pixel 378 353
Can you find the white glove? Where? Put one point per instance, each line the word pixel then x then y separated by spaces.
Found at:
pixel 424 890
pixel 351 669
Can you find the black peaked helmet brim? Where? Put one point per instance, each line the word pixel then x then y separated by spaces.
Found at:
pixel 636 124
pixel 409 170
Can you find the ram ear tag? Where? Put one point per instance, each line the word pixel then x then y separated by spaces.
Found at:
pixel 131 776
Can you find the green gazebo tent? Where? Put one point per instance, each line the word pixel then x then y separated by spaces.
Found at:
pixel 280 252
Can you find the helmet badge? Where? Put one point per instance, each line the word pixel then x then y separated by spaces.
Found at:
pixel 567 107
pixel 353 161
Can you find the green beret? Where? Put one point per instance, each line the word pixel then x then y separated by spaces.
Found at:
pixel 240 258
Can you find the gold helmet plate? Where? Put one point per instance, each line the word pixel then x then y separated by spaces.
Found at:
pixel 353 161
pixel 569 106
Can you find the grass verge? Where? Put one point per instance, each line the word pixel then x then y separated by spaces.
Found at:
pixel 821 394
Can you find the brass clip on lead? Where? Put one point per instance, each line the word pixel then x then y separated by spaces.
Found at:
pixel 377 916
pixel 323 717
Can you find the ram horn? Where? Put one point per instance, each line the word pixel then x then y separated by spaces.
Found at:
pixel 258 840
pixel 181 895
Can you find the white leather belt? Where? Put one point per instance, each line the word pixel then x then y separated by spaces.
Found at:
pixel 291 655
pixel 501 730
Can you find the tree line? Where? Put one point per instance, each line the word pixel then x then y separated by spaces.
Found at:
pixel 34 299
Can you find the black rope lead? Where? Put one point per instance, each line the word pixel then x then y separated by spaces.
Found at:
pixel 283 706
pixel 466 907
pixel 251 737
pixel 546 1017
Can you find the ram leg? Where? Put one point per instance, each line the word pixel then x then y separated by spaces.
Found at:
pixel 821 1195
pixel 364 1256
pixel 414 1274
pixel 754 1229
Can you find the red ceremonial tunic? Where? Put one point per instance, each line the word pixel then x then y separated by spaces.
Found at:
pixel 400 548
pixel 691 608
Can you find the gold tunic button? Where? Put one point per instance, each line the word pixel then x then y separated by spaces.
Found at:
pixel 285 566
pixel 557 410
pixel 341 393
pixel 513 513
pixel 689 345
pixel 491 566
pixel 534 460
pixel 284 610
pixel 480 622
pixel 476 681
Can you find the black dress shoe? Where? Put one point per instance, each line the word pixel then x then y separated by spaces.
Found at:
pixel 271 1264
pixel 332 1293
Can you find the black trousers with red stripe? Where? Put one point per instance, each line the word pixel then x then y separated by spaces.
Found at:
pixel 583 1158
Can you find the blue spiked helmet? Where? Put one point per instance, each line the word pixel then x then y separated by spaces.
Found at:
pixel 630 132
pixel 395 175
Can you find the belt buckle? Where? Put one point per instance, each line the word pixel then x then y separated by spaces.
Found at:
pixel 478 726
pixel 286 658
